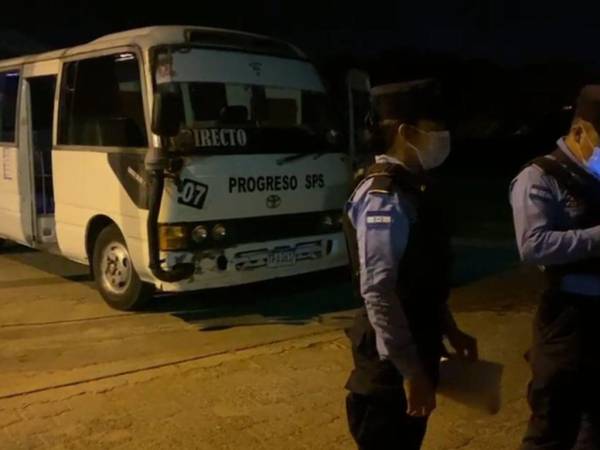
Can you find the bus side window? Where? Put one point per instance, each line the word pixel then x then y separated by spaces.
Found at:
pixel 9 83
pixel 101 103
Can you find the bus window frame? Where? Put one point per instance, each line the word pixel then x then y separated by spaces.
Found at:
pixel 107 51
pixel 17 68
pixel 155 50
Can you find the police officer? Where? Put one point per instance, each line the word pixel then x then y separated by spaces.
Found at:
pixel 400 250
pixel 556 208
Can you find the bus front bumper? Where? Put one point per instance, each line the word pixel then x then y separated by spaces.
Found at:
pixel 253 262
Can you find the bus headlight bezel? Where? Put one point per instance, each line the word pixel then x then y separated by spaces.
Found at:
pixel 219 232
pixel 199 234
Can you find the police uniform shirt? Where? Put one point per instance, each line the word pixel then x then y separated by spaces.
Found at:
pixel 540 208
pixel 382 222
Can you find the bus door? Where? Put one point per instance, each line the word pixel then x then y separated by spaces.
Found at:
pixel 37 113
pixel 15 199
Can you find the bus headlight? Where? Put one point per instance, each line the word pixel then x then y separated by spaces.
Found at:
pixel 327 221
pixel 173 237
pixel 219 232
pixel 199 234
pixel 331 221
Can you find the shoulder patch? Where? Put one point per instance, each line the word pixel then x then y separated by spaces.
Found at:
pixel 379 219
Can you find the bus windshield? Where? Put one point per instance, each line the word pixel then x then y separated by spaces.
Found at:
pixel 253 110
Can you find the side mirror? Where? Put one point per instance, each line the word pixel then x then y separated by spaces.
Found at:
pixel 358 87
pixel 166 114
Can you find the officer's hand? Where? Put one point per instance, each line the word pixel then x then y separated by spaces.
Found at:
pixel 464 344
pixel 420 396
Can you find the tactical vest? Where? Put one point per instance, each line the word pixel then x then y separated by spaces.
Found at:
pixel 585 189
pixel 423 280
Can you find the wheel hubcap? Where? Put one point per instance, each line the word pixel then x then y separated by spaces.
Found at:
pixel 116 270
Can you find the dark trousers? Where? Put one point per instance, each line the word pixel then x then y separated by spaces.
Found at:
pixel 381 424
pixel 564 392
pixel 376 406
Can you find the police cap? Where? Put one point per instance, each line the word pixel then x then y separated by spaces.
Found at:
pixel 408 101
pixel 588 105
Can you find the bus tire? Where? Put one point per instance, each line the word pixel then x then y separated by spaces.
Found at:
pixel 115 276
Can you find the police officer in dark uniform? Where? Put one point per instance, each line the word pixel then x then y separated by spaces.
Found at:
pixel 556 209
pixel 399 244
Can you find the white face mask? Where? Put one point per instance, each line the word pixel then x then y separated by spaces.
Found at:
pixel 593 162
pixel 435 152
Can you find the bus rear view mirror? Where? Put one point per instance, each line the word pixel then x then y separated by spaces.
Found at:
pixel 166 114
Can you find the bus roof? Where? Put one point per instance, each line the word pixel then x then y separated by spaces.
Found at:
pixel 148 37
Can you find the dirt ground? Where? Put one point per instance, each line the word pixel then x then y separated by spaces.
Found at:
pixel 183 375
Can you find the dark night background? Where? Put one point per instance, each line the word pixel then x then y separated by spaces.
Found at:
pixel 510 69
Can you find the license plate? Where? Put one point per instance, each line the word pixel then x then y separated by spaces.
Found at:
pixel 282 258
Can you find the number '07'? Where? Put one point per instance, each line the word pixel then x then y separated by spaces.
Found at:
pixel 193 194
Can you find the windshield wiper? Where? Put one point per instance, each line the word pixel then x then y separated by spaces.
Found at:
pixel 331 137
pixel 298 156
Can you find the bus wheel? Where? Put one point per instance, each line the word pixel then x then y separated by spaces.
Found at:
pixel 115 276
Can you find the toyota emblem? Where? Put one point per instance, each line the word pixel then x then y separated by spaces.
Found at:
pixel 273 201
